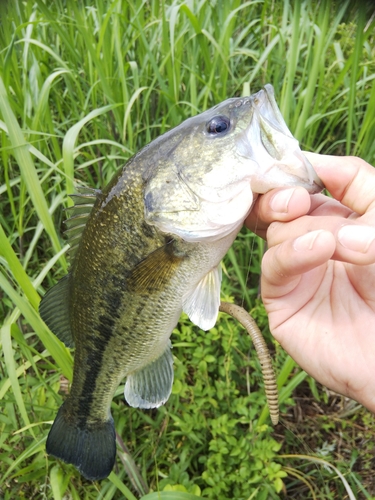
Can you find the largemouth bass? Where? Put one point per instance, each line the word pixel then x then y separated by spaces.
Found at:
pixel 147 247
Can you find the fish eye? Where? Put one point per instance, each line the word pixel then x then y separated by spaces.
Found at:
pixel 218 125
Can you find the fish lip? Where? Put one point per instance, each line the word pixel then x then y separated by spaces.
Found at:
pixel 311 186
pixel 315 184
pixel 268 94
pixel 317 187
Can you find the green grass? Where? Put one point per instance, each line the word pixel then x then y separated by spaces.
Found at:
pixel 84 85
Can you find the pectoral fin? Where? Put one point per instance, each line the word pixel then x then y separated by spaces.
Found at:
pixel 155 271
pixel 151 386
pixel 202 303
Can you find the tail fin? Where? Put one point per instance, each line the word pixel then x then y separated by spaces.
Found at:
pixel 92 449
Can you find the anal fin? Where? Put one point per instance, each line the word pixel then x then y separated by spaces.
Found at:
pixel 151 386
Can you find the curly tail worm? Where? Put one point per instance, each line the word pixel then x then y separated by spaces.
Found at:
pixel 261 348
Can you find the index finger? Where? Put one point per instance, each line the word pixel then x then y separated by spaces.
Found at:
pixel 294 202
pixel 349 179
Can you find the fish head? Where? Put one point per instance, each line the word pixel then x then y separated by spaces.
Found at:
pixel 207 172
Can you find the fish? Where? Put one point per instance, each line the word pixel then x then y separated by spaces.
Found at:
pixel 149 246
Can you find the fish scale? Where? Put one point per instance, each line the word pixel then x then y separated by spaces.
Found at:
pixel 148 247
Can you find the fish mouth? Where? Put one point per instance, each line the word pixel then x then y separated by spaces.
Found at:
pixel 317 187
pixel 271 144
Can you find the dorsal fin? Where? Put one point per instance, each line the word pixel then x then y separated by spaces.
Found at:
pixel 54 310
pixel 83 200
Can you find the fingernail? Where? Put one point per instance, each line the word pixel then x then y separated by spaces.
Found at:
pixel 280 201
pixel 356 238
pixel 306 242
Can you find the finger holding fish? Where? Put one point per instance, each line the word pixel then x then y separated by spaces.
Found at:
pixel 354 241
pixel 277 205
pixel 349 179
pixel 285 205
pixel 344 177
pixel 349 218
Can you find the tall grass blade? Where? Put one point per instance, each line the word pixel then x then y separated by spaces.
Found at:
pixel 21 152
pixel 358 47
pixel 17 270
pixel 35 447
pixel 70 142
pixel 325 463
pixel 9 359
pixel 121 486
pixel 170 495
pixel 57 350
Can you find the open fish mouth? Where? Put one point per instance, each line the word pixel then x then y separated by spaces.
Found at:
pixel 270 142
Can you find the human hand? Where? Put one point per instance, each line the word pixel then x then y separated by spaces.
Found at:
pixel 318 276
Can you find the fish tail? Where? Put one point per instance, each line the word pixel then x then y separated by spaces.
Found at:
pixel 90 448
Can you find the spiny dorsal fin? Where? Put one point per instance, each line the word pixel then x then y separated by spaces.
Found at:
pixel 84 200
pixel 54 311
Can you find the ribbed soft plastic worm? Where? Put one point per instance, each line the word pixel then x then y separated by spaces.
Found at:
pixel 261 348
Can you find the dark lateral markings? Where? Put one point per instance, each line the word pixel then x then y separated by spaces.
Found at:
pixel 94 362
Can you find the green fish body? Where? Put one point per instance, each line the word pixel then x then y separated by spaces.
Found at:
pixel 148 247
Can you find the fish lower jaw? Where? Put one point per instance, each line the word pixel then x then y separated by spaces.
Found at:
pixel 265 184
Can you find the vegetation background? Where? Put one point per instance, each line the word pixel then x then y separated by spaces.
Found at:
pixel 83 85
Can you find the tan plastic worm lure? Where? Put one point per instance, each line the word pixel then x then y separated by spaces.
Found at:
pixel 264 356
